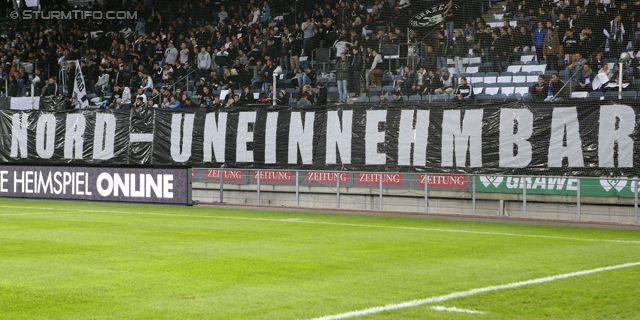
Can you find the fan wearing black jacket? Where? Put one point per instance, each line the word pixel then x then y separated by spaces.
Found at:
pixel 464 92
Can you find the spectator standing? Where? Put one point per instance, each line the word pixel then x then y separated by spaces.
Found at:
pixel 309 30
pixel 355 69
pixel 342 75
pixel 170 54
pixel 538 40
pixel 376 72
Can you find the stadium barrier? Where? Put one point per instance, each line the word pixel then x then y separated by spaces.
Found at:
pixel 611 200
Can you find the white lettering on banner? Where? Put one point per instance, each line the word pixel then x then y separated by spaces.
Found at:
pixel 417 137
pixel 539 183
pixel 3 181
pixel 244 137
pixel 181 146
pixel 113 185
pixel 339 135
pixel 35 182
pixel 79 91
pixel 74 133
pixel 301 137
pixel 443 181
pixel 215 135
pixel 273 176
pixel 327 177
pixel 516 127
pixel 459 140
pixel 374 137
pixel 19 137
pixel 231 175
pixel 624 118
pixel 565 122
pixel 270 139
pixel 46 136
pixel 393 179
pixel 103 139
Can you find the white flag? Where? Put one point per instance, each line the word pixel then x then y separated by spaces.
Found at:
pixel 79 98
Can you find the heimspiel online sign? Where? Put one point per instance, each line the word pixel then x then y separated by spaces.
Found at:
pixel 98 184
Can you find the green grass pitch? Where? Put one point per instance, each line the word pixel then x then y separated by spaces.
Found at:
pixel 81 260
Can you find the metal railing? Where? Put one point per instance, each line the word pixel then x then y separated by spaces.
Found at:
pixel 172 87
pixel 532 197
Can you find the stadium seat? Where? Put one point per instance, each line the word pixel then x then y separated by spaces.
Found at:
pixel 596 95
pixel 492 89
pixel 532 78
pixel 490 79
pixel 499 96
pixel 517 63
pixel 362 99
pixel 487 67
pixel 513 97
pixel 472 69
pixel 611 95
pixel 332 89
pixel 387 88
pixel 483 97
pixel 477 78
pixel 514 69
pixel 521 89
pixel 527 58
pixel 374 91
pixel 507 90
pixel 527 97
pixel 506 73
pixel 579 94
pixel 415 98
pixel 629 94
pixel 440 97
pixel 478 89
pixel 531 62
pixel 519 78
pixel 427 97
pixel 504 79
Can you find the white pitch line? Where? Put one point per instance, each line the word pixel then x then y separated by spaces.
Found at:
pixel 460 294
pixel 19 207
pixel 29 213
pixel 454 309
pixel 297 220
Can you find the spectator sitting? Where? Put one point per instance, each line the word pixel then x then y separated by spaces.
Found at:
pixel 464 92
pixel 540 89
pixel 584 78
pixel 448 82
pixel 173 103
pixel 555 85
pixel 303 101
pixel 321 94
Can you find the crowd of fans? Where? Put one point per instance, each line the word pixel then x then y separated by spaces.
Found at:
pixel 191 53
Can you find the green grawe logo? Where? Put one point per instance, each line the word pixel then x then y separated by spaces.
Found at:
pixel 617 184
pixel 491 180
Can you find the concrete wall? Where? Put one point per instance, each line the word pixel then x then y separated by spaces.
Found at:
pixel 550 207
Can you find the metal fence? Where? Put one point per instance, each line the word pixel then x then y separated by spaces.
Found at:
pixel 613 200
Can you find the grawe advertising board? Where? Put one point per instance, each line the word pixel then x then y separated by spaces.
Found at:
pixel 96 184
pixel 604 187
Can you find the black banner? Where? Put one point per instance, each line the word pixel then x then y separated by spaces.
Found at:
pixel 592 138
